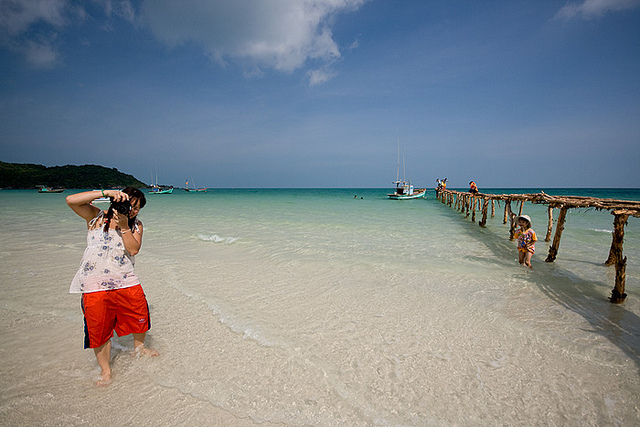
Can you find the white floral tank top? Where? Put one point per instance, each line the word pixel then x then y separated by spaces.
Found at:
pixel 105 264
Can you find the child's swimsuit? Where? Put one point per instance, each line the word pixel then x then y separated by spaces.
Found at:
pixel 524 238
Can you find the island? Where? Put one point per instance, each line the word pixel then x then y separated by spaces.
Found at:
pixel 31 176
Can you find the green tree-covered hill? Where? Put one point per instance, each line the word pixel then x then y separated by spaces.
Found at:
pixel 25 175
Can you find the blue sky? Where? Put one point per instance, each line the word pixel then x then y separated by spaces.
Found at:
pixel 317 93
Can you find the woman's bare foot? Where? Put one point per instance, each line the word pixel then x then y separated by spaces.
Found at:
pixel 105 379
pixel 142 351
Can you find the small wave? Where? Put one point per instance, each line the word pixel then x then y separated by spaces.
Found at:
pixel 600 230
pixel 217 239
pixel 255 336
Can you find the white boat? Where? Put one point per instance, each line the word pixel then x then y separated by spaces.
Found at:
pixel 404 189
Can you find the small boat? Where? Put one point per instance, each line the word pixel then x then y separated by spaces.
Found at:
pixel 404 190
pixel 50 190
pixel 195 189
pixel 161 190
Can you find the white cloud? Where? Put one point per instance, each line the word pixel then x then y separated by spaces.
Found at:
pixel 282 35
pixel 31 27
pixel 16 16
pixel 317 77
pixel 278 34
pixel 40 54
pixel 120 8
pixel 594 8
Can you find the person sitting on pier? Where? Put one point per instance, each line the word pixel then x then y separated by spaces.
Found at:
pixel 473 188
pixel 526 240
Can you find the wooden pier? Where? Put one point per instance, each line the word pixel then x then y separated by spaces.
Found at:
pixel 620 209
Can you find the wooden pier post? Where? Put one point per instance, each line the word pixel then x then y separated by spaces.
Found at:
pixel 507 209
pixel 615 252
pixel 553 250
pixel 512 223
pixel 550 224
pixel 485 207
pixel 493 209
pixel 617 293
pixel 473 210
pixel 615 257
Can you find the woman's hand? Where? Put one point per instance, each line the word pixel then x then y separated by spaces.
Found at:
pixel 121 219
pixel 116 195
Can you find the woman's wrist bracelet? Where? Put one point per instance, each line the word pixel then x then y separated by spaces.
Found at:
pixel 102 191
pixel 125 231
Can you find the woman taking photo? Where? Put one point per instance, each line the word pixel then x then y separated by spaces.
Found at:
pixel 112 296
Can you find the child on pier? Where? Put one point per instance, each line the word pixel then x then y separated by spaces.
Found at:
pixel 526 240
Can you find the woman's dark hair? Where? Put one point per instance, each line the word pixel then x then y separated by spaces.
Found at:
pixel 133 193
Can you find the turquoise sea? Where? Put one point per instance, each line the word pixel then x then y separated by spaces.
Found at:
pixel 326 307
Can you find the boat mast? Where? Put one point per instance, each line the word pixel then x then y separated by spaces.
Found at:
pixel 398 171
pixel 404 169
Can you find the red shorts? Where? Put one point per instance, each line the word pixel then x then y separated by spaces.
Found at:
pixel 122 310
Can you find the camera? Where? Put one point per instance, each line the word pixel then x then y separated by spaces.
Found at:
pixel 123 207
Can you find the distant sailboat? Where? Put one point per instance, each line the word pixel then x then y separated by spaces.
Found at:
pixel 45 189
pixel 194 189
pixel 404 189
pixel 160 189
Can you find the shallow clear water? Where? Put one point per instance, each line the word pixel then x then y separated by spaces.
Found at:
pixel 315 307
